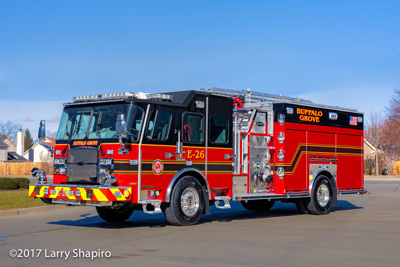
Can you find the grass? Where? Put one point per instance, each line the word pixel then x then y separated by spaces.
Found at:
pixel 18 199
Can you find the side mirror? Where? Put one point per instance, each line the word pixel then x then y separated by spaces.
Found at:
pixel 120 126
pixel 121 131
pixel 42 130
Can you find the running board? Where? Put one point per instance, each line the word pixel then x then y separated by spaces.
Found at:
pixel 155 203
pixel 72 202
pixel 225 200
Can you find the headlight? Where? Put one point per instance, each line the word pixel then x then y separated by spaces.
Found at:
pixel 105 179
pixel 105 161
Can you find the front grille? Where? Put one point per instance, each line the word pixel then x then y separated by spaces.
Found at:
pixel 82 164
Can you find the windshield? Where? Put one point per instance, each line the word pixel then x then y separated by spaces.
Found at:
pixel 99 122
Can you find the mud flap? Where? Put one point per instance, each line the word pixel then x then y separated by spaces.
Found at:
pixel 206 210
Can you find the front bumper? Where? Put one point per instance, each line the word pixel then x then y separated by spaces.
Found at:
pixel 81 195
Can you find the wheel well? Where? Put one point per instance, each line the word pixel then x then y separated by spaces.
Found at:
pixel 197 175
pixel 332 181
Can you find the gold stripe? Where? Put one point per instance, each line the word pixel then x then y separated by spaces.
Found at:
pixel 322 145
pixel 319 153
pixel 201 147
pixel 164 172
pixel 126 172
pixel 312 152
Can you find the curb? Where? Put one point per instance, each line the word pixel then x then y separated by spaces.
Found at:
pixel 16 212
pixel 381 177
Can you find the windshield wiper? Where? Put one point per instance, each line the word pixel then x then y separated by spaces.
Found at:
pixel 79 125
pixel 99 123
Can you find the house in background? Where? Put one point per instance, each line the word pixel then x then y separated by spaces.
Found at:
pixel 3 151
pixel 369 150
pixel 41 152
pixel 11 146
pixel 9 151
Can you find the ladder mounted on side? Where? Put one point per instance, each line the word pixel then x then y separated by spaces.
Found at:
pixel 257 99
pixel 254 97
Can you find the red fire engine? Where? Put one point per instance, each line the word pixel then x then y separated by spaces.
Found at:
pixel 181 152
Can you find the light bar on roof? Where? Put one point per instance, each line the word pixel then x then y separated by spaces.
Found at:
pixel 138 95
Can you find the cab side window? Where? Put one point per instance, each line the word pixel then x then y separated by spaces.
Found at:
pixel 159 124
pixel 219 129
pixel 193 128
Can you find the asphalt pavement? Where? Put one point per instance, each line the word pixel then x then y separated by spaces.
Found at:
pixel 360 231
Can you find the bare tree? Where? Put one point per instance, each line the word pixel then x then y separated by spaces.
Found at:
pixel 28 140
pixel 394 106
pixel 10 128
pixel 369 166
pixel 391 128
pixel 374 129
pixel 383 132
pixel 377 130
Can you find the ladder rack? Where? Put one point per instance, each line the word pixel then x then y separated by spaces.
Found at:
pixel 254 97
pixel 251 98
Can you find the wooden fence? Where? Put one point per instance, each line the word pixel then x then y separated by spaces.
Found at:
pixel 24 168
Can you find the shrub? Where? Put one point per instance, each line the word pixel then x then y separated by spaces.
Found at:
pixel 22 182
pixel 8 184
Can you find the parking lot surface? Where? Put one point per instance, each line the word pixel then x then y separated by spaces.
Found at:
pixel 360 231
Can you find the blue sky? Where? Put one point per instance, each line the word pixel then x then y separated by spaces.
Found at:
pixel 342 52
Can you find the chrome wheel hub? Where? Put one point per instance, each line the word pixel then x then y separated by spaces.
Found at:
pixel 190 201
pixel 323 195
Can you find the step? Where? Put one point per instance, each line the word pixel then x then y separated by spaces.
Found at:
pixel 154 202
pixel 223 199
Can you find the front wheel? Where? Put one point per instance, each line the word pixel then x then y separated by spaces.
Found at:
pixel 321 198
pixel 186 205
pixel 47 200
pixel 110 214
pixel 301 205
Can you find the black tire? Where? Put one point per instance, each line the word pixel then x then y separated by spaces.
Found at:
pixel 301 205
pixel 321 197
pixel 186 204
pixel 258 205
pixel 120 214
pixel 47 200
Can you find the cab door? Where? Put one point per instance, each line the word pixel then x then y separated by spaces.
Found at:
pixel 219 146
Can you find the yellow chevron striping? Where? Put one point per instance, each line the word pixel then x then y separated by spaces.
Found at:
pixel 31 189
pixel 99 195
pixel 120 198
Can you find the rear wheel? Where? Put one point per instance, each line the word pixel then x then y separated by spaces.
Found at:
pixel 110 214
pixel 321 198
pixel 186 205
pixel 258 205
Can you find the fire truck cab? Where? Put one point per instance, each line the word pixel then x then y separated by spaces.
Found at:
pixel 181 152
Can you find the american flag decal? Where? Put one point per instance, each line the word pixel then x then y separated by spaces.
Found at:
pixel 353 120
